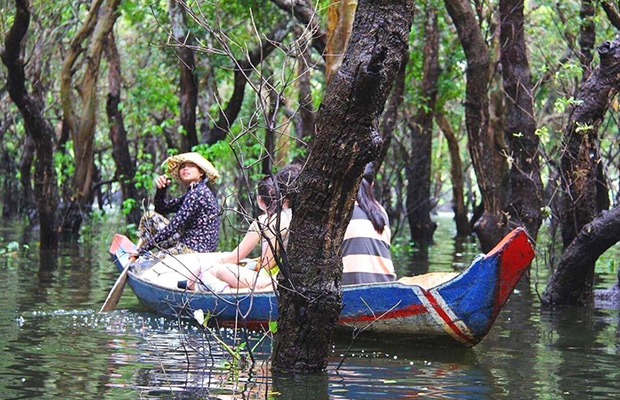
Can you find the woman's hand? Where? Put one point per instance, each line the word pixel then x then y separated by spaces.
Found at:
pixel 162 181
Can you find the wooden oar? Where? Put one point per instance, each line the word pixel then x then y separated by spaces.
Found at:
pixel 117 291
pixel 119 242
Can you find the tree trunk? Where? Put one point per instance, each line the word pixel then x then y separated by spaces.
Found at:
pixel 188 99
pixel 612 13
pixel 37 126
pixel 125 169
pixel 10 201
pixel 486 147
pixel 525 200
pixel 581 156
pixel 390 115
pixel 572 282
pixel 305 127
pixel 82 128
pixel 304 12
pixel 243 70
pixel 587 36
pixel 346 139
pixel 340 17
pixel 463 228
pixel 419 204
pixel 27 202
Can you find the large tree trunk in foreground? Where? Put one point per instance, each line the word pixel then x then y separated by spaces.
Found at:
pixel 125 169
pixel 581 156
pixel 418 169
pixel 346 139
pixel 572 281
pixel 525 200
pixel 486 147
pixel 188 98
pixel 37 126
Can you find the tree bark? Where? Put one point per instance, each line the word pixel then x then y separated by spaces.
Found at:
pixel 581 157
pixel 10 192
pixel 82 128
pixel 125 168
pixel 243 69
pixel 188 98
pixel 486 147
pixel 346 139
pixel 418 170
pixel 340 17
pixel 587 36
pixel 27 201
pixel 612 13
pixel 463 228
pixel 305 126
pixel 525 200
pixel 37 126
pixel 390 115
pixel 573 280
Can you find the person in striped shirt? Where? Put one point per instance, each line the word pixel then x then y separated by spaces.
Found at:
pixel 366 246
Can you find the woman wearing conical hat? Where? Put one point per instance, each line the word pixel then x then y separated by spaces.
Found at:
pixel 195 225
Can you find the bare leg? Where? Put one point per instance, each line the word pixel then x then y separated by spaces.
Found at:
pixel 239 277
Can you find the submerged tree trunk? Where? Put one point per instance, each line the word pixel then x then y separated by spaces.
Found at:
pixel 463 228
pixel 486 147
pixel 10 193
pixel 419 204
pixel 188 98
pixel 525 200
pixel 27 202
pixel 82 127
pixel 572 282
pixel 581 156
pixel 37 126
pixel 125 169
pixel 346 139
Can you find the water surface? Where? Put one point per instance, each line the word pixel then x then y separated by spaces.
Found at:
pixel 55 344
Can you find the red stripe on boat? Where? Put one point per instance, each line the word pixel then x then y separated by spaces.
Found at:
pixel 398 313
pixel 446 318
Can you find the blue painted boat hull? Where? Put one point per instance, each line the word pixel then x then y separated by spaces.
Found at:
pixel 460 311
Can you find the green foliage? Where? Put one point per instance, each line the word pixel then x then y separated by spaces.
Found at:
pixel 128 206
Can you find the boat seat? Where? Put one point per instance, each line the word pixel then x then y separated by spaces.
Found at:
pixel 428 281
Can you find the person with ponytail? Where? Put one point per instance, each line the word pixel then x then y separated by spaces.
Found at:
pixel 270 230
pixel 366 246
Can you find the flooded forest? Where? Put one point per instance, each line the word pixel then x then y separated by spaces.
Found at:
pixel 476 118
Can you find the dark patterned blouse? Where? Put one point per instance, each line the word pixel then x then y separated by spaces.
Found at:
pixel 196 218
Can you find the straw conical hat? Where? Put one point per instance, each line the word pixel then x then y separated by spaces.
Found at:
pixel 173 163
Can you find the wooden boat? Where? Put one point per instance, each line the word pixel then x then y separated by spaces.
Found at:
pixel 438 308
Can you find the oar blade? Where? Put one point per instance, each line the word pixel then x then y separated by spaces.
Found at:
pixel 116 292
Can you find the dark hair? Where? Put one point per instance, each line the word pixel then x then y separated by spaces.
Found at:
pixel 267 192
pixel 367 200
pixel 286 179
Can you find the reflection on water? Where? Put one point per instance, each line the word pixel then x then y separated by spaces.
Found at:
pixel 55 345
